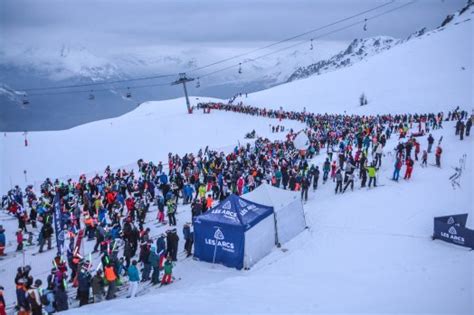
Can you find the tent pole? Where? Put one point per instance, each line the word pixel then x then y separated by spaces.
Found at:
pixel 277 241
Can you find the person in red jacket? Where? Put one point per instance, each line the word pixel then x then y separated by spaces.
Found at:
pixel 409 169
pixel 438 156
pixel 19 240
pixel 240 185
pixel 417 149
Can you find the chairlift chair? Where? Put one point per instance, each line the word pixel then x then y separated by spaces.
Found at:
pixel 311 47
pixel 129 94
pixel 25 100
pixel 240 67
pixel 365 25
pixel 91 96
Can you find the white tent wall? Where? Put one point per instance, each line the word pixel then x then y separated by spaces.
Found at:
pixel 287 207
pixel 290 221
pixel 259 241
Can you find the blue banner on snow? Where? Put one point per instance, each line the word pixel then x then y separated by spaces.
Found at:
pixel 452 229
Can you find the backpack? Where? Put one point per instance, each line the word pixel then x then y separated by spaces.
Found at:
pixel 44 299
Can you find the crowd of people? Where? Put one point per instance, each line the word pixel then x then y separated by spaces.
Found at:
pixel 113 209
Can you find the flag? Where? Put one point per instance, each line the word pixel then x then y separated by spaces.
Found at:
pixel 58 225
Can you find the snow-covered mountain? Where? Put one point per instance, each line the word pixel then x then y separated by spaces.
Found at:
pixel 361 48
pixel 358 50
pixel 430 72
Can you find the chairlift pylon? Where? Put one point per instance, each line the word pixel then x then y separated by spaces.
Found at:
pixel 311 47
pixel 129 94
pixel 365 25
pixel 198 84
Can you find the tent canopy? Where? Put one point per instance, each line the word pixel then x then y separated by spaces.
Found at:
pixel 235 233
pixel 238 212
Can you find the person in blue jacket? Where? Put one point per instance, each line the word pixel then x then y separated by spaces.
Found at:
pixel 154 260
pixel 133 278
pixel 188 193
pixel 164 178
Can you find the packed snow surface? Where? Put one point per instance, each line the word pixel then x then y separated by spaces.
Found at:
pixel 366 251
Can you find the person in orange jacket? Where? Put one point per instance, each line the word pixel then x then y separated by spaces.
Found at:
pixel 111 277
pixel 209 202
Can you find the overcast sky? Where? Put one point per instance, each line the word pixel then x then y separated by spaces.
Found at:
pixel 187 22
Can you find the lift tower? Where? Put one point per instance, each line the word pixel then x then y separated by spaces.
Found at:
pixel 182 80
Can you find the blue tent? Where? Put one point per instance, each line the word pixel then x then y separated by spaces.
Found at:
pixel 221 235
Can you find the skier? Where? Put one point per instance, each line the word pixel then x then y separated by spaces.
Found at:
pixel 430 142
pixel 171 205
pixel 372 170
pixel 111 277
pixel 97 284
pixel 363 176
pixel 154 260
pixel 338 177
pixel 409 169
pixel 21 297
pixel 461 130
pixel 315 178
pixel 133 278
pixel 168 271
pixel 396 171
pixel 45 236
pixel 417 149
pixel 424 159
pixel 2 302
pixel 350 181
pixel 19 240
pixel 3 241
pixel 188 236
pixel 84 280
pixel 469 126
pixel 438 156
pixel 172 240
pixel 305 183
pixel 378 155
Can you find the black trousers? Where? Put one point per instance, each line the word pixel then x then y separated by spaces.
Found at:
pixel 83 297
pixel 339 186
pixel 171 219
pixel 374 180
pixel 304 194
pixel 349 182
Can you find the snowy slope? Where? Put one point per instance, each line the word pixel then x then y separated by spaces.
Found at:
pixel 367 251
pixel 432 72
pixel 154 129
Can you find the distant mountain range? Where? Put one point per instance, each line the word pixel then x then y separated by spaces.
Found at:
pixel 360 49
